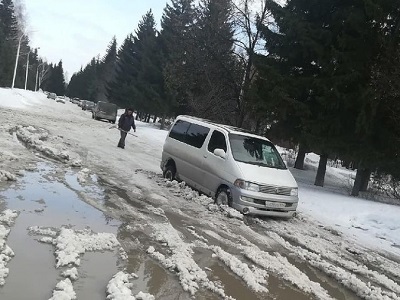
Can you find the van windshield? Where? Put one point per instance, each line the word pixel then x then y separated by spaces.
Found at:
pixel 255 151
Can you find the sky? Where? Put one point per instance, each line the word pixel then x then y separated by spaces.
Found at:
pixel 75 31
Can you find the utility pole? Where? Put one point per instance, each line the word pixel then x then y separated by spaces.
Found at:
pixel 16 60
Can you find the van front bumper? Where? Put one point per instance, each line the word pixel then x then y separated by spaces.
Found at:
pixel 257 203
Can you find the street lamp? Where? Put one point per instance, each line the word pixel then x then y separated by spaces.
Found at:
pixel 16 60
pixel 37 75
pixel 27 68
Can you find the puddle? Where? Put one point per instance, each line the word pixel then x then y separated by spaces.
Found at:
pixel 43 200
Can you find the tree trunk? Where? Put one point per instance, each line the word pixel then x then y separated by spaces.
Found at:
pixel 162 122
pixel 137 115
pixel 155 119
pixel 358 182
pixel 365 180
pixel 299 164
pixel 320 178
pixel 148 118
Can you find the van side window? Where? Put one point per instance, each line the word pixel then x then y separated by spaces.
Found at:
pixel 178 132
pixel 217 141
pixel 196 135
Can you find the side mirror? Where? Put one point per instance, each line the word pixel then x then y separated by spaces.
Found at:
pixel 220 153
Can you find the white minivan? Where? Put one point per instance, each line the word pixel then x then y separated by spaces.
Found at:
pixel 235 167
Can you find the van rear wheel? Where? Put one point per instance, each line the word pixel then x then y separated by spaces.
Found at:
pixel 223 197
pixel 169 172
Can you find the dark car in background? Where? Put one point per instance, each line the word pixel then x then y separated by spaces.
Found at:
pixel 106 111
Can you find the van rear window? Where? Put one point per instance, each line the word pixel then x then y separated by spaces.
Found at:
pixel 189 133
pixel 178 131
pixel 196 135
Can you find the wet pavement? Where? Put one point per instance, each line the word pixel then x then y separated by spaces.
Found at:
pixel 43 200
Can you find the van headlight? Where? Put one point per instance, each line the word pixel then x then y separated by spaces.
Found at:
pixel 245 185
pixel 294 192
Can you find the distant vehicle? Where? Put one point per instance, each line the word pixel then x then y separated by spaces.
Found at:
pixel 52 96
pixel 236 167
pixel 88 105
pixel 105 110
pixel 60 100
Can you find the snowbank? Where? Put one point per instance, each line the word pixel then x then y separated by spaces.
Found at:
pixel 18 98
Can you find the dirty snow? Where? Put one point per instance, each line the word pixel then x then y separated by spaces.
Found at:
pixel 191 276
pixel 71 244
pixel 120 288
pixel 254 277
pixel 7 218
pixel 7 176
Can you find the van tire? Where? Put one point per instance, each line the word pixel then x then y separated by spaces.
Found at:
pixel 223 197
pixel 169 172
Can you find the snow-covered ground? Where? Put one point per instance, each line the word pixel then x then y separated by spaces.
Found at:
pixel 337 247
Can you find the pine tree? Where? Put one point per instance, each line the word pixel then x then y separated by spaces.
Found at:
pixel 8 41
pixel 177 39
pixel 107 68
pixel 55 82
pixel 318 73
pixel 214 96
pixel 119 89
pixel 148 82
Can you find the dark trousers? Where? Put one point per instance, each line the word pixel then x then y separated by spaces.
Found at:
pixel 121 143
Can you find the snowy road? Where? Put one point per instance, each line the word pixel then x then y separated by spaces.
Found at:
pixel 78 216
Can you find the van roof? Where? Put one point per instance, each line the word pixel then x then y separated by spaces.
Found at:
pixel 228 128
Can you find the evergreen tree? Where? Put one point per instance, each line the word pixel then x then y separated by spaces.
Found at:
pixel 178 42
pixel 55 82
pixel 8 41
pixel 148 82
pixel 317 73
pixel 107 70
pixel 119 89
pixel 214 96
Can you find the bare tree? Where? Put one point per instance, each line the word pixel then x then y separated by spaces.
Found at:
pixel 248 16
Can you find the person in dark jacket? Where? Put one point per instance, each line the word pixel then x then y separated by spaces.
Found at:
pixel 125 122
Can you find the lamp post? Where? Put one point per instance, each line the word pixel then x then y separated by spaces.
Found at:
pixel 37 76
pixel 27 69
pixel 16 60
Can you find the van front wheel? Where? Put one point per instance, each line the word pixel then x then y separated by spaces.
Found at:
pixel 169 172
pixel 223 197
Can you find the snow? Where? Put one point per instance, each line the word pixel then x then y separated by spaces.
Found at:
pixel 17 98
pixel 71 273
pixel 372 223
pixel 120 288
pixel 42 231
pixel 254 277
pixel 7 176
pixel 333 232
pixel 71 244
pixel 64 291
pixel 7 218
pixel 191 276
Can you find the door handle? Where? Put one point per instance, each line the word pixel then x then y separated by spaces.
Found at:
pixel 205 156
